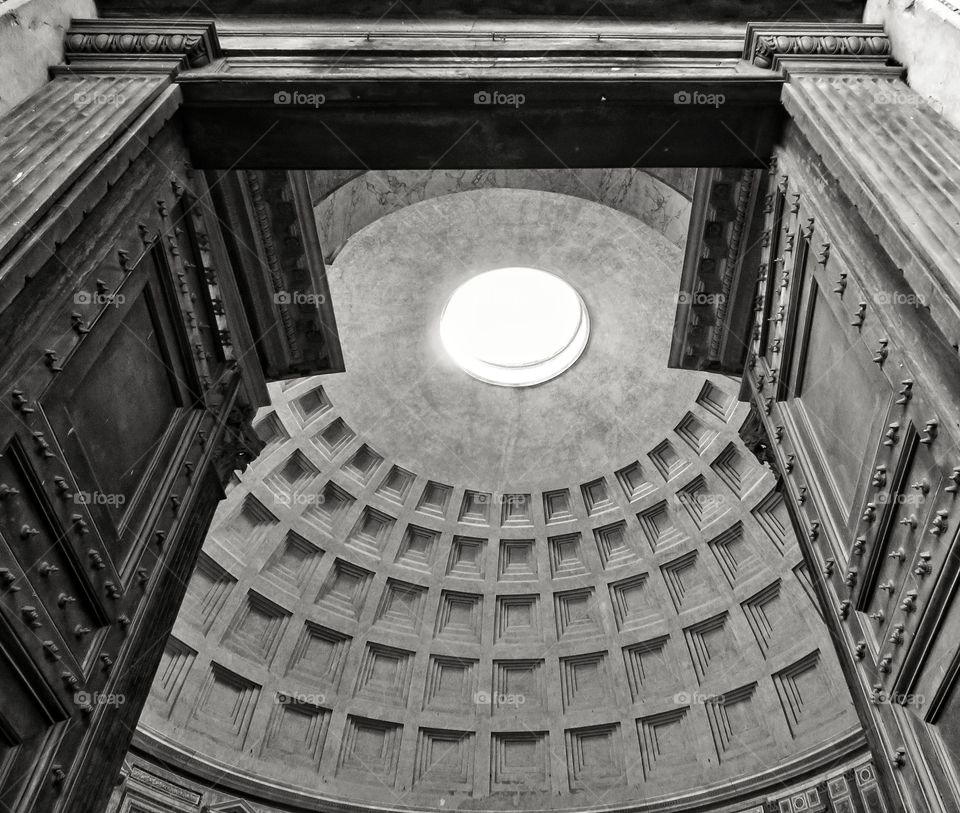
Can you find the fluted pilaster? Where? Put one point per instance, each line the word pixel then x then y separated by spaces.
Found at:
pixel 899 162
pixel 47 142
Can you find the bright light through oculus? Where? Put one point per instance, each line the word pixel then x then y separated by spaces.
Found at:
pixel 515 327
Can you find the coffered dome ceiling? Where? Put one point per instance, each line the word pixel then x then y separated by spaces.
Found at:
pixel 430 592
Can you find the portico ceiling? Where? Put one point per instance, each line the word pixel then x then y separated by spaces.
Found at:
pixel 699 10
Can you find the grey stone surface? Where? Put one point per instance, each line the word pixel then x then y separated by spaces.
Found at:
pixel 659 198
pixel 391 282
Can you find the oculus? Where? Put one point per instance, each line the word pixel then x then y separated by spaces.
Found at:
pixel 515 327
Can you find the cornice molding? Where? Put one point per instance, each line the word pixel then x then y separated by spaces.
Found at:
pixel 271 237
pixel 188 44
pixel 855 46
pixel 711 302
pixel 746 191
pixel 283 216
pixel 264 223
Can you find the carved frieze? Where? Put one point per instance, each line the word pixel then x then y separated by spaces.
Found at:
pixel 272 238
pixel 713 300
pixel 195 44
pixel 767 45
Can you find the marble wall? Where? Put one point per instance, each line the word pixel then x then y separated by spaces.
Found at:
pixel 31 40
pixel 925 35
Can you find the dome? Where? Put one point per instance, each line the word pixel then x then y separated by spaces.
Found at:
pixel 434 593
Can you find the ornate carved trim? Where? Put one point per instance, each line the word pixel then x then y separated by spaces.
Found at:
pixel 271 237
pixel 856 45
pixel 265 225
pixel 144 777
pixel 746 189
pixel 194 44
pixel 712 302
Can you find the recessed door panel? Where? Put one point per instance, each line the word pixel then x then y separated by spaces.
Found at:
pixel 116 408
pixel 121 408
pixel 45 550
pixel 841 400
